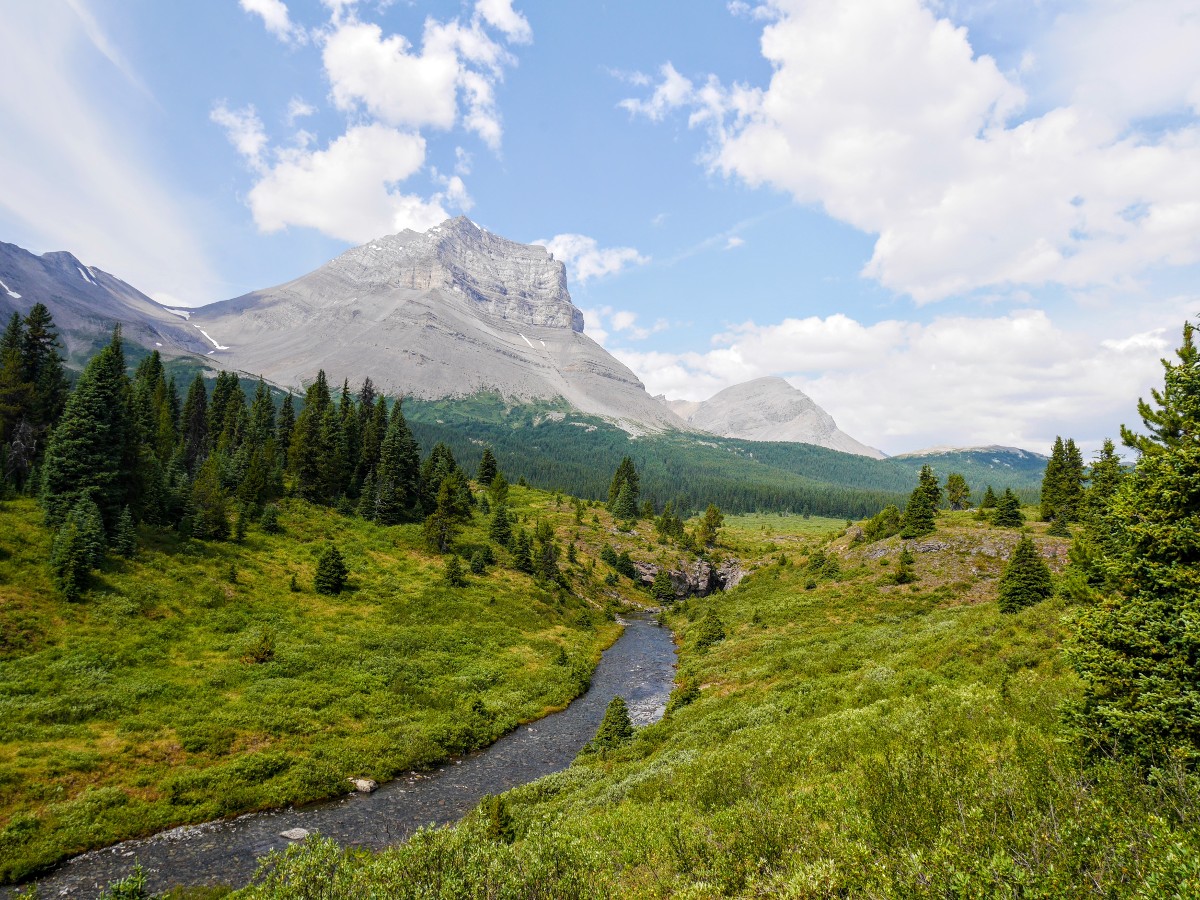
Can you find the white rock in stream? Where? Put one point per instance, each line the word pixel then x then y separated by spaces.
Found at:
pixel 294 834
pixel 363 785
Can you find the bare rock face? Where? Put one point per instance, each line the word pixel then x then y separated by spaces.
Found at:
pixel 769 409
pixel 448 313
pixel 698 579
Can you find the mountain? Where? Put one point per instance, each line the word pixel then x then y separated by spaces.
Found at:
pixel 769 409
pixel 87 302
pixel 451 312
pixel 993 464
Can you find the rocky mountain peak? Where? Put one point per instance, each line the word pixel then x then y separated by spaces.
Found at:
pixel 520 283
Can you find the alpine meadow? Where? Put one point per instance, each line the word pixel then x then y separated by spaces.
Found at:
pixel 514 450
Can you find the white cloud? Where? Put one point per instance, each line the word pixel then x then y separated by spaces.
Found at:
pixel 390 91
pixel 345 191
pixel 500 14
pixel 734 242
pixel 274 14
pixel 605 322
pixel 585 259
pixel 672 92
pixel 1017 379
pixel 77 175
pixel 882 113
pixel 245 131
pixel 298 109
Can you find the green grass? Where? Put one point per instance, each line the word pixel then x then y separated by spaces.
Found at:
pixel 848 738
pixel 173 693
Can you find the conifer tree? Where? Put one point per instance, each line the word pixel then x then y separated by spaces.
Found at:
pixel 958 492
pixel 85 516
pixel 69 565
pixel 331 574
pixel 1138 652
pixel 1026 579
pixel 285 424
pixel 43 366
pixel 989 499
pixel 397 477
pixel 919 512
pixel 488 467
pixel 372 432
pixel 625 507
pixel 448 514
pixel 453 574
pixel 500 528
pixel 710 526
pixel 905 574
pixel 522 551
pixel 663 588
pixel 625 476
pixel 86 455
pixel 125 540
pixel 195 425
pixel 1008 511
pixel 210 520
pixel 498 489
pixel 1052 479
pixel 616 728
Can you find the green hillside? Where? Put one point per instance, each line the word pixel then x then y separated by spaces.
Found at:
pixel 846 737
pixel 193 682
pixel 554 447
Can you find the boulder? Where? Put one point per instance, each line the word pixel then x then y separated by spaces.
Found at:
pixel 363 785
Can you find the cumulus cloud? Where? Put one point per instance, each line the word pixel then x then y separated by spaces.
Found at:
pixel 390 91
pixel 346 190
pixel 1013 379
pixel 585 259
pixel 245 131
pixel 883 114
pixel 274 15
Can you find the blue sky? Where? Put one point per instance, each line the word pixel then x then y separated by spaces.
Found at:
pixel 948 222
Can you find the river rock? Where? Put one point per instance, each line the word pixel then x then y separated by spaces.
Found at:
pixel 699 579
pixel 363 785
pixel 294 834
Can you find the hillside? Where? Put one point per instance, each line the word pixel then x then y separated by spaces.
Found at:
pixel 193 682
pixel 846 737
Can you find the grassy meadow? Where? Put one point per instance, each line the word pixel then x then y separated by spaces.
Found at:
pixel 192 682
pixel 847 737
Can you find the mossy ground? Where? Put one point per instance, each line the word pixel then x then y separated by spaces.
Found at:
pixel 192 682
pixel 849 737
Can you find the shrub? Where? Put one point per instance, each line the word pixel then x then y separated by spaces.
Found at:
pixel 615 729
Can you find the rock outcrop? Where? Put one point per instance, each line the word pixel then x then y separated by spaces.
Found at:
pixel 699 579
pixel 769 409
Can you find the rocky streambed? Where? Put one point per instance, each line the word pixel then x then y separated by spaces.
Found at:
pixel 640 667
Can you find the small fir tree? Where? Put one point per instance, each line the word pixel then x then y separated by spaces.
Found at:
pixel 522 552
pixel 69 562
pixel 989 499
pixel 125 540
pixel 500 528
pixel 663 588
pixel 453 575
pixel 270 519
pixel 1008 511
pixel 616 729
pixel 712 631
pixel 905 574
pixel 958 492
pixel 710 526
pixel 331 572
pixel 478 563
pixel 488 468
pixel 1026 579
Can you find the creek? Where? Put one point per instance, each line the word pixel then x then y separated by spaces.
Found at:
pixel 640 667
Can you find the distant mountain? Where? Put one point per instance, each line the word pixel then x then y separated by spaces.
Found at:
pixel 981 466
pixel 87 302
pixel 769 409
pixel 448 313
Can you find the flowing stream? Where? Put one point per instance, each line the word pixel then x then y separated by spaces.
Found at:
pixel 639 667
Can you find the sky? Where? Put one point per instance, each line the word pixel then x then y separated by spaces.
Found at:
pixel 950 223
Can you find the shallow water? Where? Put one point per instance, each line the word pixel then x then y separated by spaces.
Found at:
pixel 639 667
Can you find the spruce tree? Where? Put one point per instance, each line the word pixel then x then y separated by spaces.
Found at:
pixel 989 499
pixel 210 503
pixel 285 424
pixel 453 574
pixel 331 574
pixel 1052 480
pixel 43 366
pixel 498 489
pixel 625 507
pixel 488 467
pixel 397 477
pixel 522 551
pixel 919 512
pixel 87 452
pixel 626 476
pixel 69 563
pixel 958 492
pixel 1008 511
pixel 195 425
pixel 500 528
pixel 85 516
pixel 905 574
pixel 616 728
pixel 125 540
pixel 710 526
pixel 1026 579
pixel 1138 652
pixel 663 588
